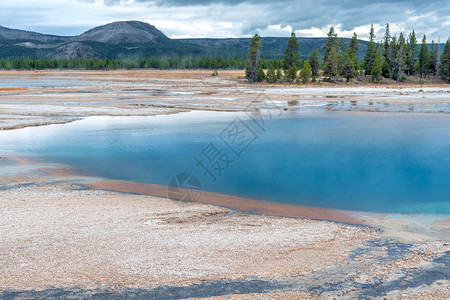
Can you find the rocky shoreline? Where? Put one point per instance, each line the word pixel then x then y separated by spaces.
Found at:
pixel 55 97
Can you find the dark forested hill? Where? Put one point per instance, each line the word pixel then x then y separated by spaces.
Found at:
pixel 129 39
pixel 129 32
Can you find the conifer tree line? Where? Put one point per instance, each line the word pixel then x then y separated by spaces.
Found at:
pixel 393 57
pixel 162 63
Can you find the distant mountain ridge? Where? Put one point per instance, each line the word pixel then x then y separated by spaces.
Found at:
pixel 135 39
pixel 16 43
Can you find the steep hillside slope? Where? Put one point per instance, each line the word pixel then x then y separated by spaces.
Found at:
pixel 16 35
pixel 127 32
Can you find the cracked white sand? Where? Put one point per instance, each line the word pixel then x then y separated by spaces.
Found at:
pixel 59 236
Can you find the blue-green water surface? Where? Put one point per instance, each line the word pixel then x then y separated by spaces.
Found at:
pixel 365 162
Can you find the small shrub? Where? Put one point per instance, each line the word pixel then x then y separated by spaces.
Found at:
pixel 291 75
pixel 260 76
pixel 271 77
pixel 279 75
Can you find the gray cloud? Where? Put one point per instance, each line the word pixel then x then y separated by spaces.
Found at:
pixel 234 18
pixel 306 14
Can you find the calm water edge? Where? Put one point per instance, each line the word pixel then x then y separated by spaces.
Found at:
pixel 354 161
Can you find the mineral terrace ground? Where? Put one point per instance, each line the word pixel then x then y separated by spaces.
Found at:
pixel 141 93
pixel 60 239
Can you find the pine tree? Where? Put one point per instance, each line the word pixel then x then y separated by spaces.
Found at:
pixel 400 57
pixel 370 52
pixel 393 49
pixel 445 63
pixel 306 72
pixel 330 65
pixel 412 53
pixel 251 71
pixel 332 43
pixel 314 61
pixel 387 52
pixel 279 74
pixel 342 55
pixel 377 68
pixel 424 58
pixel 350 66
pixel 271 77
pixel 349 70
pixel 354 44
pixel 292 54
pixel 434 63
pixel 260 76
pixel 330 55
pixel 352 51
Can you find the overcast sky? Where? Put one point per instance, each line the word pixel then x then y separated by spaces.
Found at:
pixel 233 18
